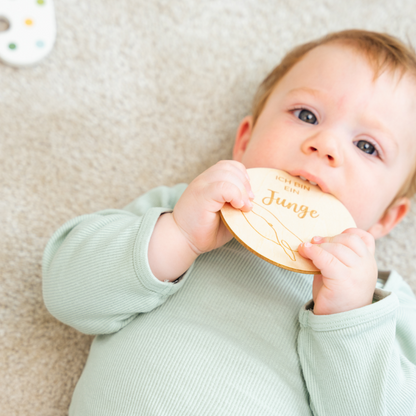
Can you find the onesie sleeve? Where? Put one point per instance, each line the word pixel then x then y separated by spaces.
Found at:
pixel 362 362
pixel 96 275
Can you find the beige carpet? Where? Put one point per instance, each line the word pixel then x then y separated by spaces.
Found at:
pixel 134 95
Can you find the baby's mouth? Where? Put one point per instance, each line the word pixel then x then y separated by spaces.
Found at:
pixel 307 180
pixel 313 180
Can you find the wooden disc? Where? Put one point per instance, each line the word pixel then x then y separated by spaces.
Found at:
pixel 286 212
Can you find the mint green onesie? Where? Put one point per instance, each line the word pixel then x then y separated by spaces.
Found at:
pixel 235 336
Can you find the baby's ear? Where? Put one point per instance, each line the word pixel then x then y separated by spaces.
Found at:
pixel 242 137
pixel 391 217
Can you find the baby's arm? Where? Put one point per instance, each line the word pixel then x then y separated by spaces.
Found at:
pixel 96 273
pixel 362 362
pixel 96 277
pixel 357 347
pixel 194 227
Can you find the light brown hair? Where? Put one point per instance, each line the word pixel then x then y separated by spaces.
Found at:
pixel 384 52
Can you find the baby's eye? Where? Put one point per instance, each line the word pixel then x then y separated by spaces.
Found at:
pixel 367 147
pixel 306 116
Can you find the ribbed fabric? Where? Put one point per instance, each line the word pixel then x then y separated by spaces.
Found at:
pixel 235 336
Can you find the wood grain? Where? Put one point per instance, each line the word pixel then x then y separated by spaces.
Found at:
pixel 286 212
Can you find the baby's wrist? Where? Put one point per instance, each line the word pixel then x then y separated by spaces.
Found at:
pixel 170 255
pixel 322 308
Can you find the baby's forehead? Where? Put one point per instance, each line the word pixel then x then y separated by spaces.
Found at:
pixel 404 85
pixel 400 78
pixel 400 102
pixel 378 59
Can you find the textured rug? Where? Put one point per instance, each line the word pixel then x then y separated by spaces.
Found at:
pixel 135 94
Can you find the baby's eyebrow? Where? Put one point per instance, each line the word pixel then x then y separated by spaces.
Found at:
pixel 311 91
pixel 376 125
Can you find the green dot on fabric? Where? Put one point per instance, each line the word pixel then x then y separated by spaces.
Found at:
pixel 40 2
pixel 12 46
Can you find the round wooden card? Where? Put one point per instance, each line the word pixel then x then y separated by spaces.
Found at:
pixel 286 211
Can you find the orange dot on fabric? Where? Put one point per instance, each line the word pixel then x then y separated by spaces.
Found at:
pixel 29 22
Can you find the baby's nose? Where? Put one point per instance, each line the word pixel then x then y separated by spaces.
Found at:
pixel 325 146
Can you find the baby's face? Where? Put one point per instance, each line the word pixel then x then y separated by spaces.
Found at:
pixel 329 122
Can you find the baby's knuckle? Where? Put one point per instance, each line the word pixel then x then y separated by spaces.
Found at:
pixel 338 248
pixel 326 259
pixel 224 164
pixel 222 185
pixel 238 164
pixel 354 238
pixel 322 255
pixel 331 261
pixel 227 189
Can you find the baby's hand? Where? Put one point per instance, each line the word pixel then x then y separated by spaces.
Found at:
pixel 195 226
pixel 197 211
pixel 348 271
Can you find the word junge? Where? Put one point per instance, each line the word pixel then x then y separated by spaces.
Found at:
pixel 302 210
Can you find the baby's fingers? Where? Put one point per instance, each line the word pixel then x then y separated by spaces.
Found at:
pixel 326 257
pixel 232 171
pixel 224 191
pixel 359 241
pixel 365 237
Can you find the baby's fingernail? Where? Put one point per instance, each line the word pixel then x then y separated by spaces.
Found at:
pixel 249 204
pixel 317 239
pixel 307 244
pixel 250 194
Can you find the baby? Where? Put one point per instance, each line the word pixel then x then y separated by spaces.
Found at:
pixel 189 322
